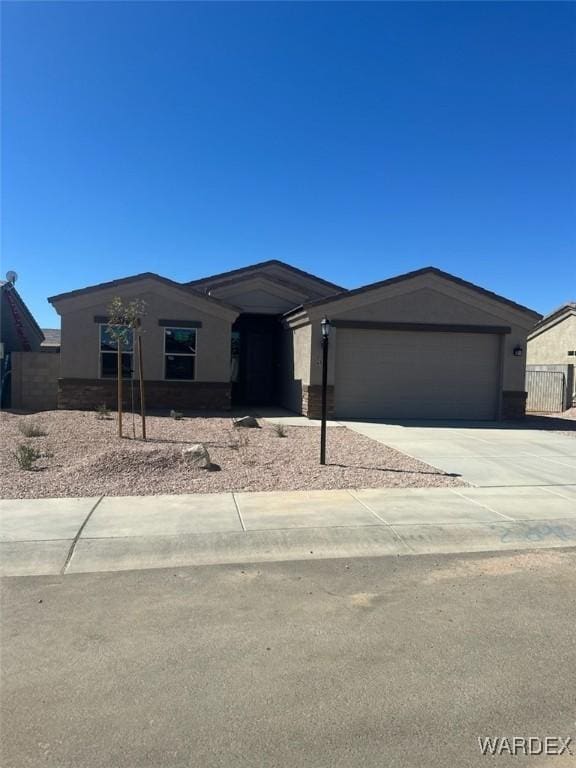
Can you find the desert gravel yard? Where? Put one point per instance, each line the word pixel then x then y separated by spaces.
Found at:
pixel 83 456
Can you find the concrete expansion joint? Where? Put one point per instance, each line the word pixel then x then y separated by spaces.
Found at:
pixel 366 506
pixel 238 511
pixel 72 549
pixel 484 506
pixel 389 525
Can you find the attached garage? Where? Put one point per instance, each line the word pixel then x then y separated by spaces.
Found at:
pixel 404 374
pixel 424 345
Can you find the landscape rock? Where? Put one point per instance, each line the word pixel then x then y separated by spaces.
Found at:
pixel 197 454
pixel 246 421
pixel 89 459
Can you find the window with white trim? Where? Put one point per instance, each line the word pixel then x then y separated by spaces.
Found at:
pixel 109 352
pixel 180 353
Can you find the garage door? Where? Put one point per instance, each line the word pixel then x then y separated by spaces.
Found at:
pixel 414 374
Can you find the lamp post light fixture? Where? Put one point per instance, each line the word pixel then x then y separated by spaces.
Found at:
pixel 517 351
pixel 325 328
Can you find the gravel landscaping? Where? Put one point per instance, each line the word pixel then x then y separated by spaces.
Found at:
pixel 82 455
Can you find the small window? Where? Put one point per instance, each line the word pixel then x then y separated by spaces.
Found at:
pixel 180 353
pixel 109 352
pixel 571 352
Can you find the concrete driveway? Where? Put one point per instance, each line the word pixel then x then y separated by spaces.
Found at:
pixel 484 454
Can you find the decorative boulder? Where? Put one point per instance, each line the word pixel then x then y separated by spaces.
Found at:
pixel 197 455
pixel 246 421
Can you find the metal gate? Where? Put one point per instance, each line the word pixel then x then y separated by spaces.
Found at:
pixel 545 391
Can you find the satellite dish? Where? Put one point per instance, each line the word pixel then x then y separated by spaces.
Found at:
pixel 11 277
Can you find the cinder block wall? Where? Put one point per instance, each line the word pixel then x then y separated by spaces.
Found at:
pixel 35 380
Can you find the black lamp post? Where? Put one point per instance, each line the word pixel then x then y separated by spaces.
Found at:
pixel 325 326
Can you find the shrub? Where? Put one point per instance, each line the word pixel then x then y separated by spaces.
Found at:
pixel 30 429
pixel 102 412
pixel 176 415
pixel 238 440
pixel 280 429
pixel 26 456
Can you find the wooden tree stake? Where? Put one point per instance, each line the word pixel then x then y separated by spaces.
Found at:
pixel 119 388
pixel 141 377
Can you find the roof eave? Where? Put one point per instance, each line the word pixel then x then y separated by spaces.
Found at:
pixel 185 288
pixel 417 273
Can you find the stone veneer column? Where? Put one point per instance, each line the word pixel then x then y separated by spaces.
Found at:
pixel 312 401
pixel 513 404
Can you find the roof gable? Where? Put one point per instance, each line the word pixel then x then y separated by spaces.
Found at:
pixel 365 293
pixel 110 287
pixel 263 293
pixel 272 268
pixel 559 315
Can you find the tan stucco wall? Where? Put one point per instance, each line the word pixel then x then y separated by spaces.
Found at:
pixel 309 285
pixel 423 303
pixel 296 348
pixel 302 346
pixel 35 380
pixel 552 345
pixel 260 296
pixel 80 335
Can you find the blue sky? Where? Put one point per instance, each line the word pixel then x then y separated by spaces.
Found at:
pixel 357 141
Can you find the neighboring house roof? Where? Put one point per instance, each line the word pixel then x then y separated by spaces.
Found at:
pixel 409 276
pixel 29 334
pixel 51 337
pixel 553 318
pixel 135 278
pixel 246 271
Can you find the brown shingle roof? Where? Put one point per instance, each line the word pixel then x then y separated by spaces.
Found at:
pixel 51 337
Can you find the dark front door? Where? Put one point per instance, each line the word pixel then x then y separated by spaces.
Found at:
pixel 256 340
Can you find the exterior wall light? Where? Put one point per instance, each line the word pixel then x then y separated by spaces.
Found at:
pixel 518 351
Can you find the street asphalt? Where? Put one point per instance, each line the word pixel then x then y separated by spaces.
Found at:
pixel 383 662
pixel 306 629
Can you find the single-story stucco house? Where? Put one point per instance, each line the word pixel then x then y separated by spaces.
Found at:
pixel 421 345
pixel 553 339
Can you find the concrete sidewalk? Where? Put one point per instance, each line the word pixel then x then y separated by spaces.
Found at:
pixel 57 536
